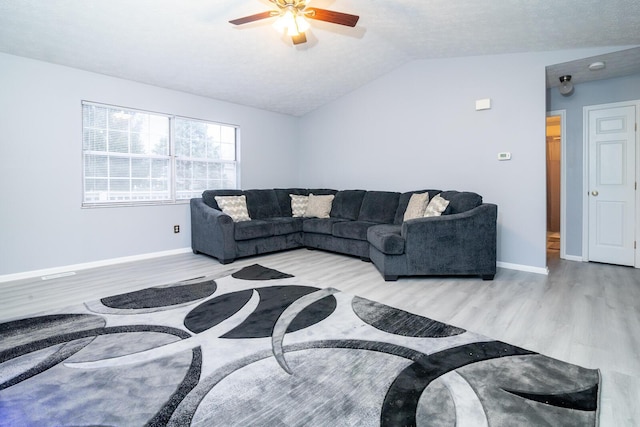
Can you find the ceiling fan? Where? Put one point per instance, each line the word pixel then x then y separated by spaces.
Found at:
pixel 291 18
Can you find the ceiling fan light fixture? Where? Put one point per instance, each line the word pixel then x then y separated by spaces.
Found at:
pixel 291 22
pixel 284 21
pixel 291 18
pixel 566 87
pixel 302 24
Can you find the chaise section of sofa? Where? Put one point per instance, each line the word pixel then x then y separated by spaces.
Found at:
pixel 453 244
pixel 366 224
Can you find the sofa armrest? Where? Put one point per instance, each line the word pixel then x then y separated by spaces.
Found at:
pixel 212 232
pixel 463 243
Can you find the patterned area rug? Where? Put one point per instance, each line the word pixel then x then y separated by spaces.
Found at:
pixel 264 348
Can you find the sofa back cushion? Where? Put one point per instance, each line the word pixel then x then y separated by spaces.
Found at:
pixel 321 191
pixel 262 204
pixel 208 196
pixel 403 202
pixel 347 204
pixel 460 201
pixel 284 200
pixel 379 206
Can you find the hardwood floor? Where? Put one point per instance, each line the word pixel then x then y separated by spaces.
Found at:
pixel 583 313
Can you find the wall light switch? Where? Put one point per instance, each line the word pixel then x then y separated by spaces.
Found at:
pixel 504 156
pixel 483 104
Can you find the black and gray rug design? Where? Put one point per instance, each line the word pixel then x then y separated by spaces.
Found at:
pixel 264 348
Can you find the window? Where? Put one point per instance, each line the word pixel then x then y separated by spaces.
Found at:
pixel 136 157
pixel 205 157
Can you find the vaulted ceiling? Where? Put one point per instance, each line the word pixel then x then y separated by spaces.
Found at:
pixel 189 45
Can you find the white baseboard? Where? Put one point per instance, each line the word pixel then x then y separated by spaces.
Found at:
pixel 70 268
pixel 520 267
pixel 65 270
pixel 573 258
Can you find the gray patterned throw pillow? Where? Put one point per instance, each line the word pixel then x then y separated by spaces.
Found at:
pixel 234 206
pixel 436 206
pixel 417 206
pixel 298 205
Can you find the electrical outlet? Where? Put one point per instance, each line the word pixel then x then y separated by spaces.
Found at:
pixel 176 228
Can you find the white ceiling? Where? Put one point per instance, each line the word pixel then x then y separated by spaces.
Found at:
pixel 189 45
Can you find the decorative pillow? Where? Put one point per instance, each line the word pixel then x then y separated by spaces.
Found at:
pixel 417 206
pixel 436 206
pixel 319 206
pixel 298 205
pixel 234 206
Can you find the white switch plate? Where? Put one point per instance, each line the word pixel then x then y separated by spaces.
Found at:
pixel 504 156
pixel 483 104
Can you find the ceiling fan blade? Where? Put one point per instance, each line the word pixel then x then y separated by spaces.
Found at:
pixel 331 16
pixel 256 17
pixel 300 38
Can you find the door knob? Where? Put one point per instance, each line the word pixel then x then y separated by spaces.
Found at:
pixel 594 193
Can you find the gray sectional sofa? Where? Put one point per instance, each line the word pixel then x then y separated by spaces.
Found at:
pixel 366 224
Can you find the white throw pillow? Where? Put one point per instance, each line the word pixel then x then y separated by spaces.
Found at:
pixel 298 205
pixel 319 206
pixel 234 206
pixel 416 207
pixel 436 206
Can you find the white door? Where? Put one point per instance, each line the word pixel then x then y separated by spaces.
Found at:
pixel 611 189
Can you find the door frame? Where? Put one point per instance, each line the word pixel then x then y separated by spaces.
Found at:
pixel 585 173
pixel 563 179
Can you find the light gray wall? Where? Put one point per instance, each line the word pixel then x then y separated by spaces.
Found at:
pixel 41 222
pixel 413 128
pixel 417 127
pixel 590 93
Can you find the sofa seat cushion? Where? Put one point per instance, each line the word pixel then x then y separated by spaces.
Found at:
pixel 320 225
pixel 283 226
pixel 352 229
pixel 253 229
pixel 379 207
pixel 386 238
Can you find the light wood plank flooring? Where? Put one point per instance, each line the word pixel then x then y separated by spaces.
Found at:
pixel 583 313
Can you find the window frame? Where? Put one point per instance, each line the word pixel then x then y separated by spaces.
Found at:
pixel 172 156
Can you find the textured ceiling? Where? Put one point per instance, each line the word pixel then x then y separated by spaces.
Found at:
pixel 188 45
pixel 616 64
